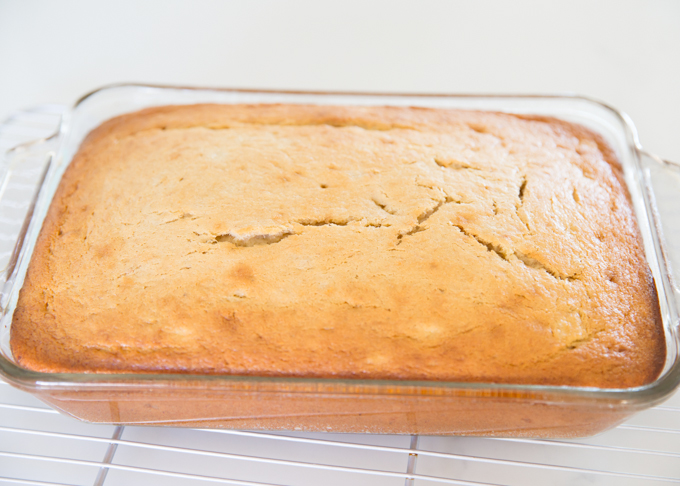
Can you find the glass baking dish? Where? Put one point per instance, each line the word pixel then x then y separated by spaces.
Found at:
pixel 340 405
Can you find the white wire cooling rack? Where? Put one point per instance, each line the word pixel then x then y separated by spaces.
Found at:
pixel 38 446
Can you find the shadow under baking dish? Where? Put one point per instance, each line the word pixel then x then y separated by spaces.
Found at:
pixel 339 405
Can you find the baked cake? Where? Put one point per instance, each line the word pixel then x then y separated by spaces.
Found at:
pixel 334 241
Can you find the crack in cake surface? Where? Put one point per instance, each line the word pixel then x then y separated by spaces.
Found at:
pixel 424 216
pixel 506 253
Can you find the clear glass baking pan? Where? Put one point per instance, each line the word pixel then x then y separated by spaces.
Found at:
pixel 339 405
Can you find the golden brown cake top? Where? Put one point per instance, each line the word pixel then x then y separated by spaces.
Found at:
pixel 367 242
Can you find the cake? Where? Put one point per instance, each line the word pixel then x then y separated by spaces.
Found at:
pixel 388 243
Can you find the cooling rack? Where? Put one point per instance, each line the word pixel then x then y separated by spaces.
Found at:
pixel 39 446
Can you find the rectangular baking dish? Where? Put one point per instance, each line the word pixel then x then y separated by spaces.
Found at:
pixel 338 405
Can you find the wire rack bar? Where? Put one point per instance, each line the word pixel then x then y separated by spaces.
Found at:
pixel 28 408
pixel 29 481
pixel 110 452
pixel 593 447
pixel 648 429
pixel 412 458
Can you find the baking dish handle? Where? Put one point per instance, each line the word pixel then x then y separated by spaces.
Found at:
pixel 22 172
pixel 662 183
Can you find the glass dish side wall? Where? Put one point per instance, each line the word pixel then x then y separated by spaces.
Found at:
pixel 482 413
pixel 345 405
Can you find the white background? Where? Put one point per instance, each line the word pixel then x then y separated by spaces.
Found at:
pixel 626 53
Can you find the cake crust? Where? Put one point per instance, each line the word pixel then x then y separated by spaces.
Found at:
pixel 354 242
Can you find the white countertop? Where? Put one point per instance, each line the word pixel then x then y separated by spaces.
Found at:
pixel 626 53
